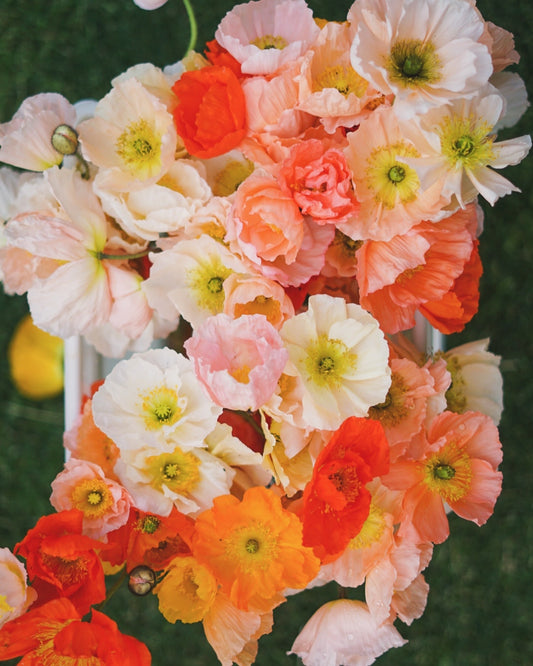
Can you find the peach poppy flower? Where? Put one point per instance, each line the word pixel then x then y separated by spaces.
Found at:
pixel 344 633
pixel 16 596
pixel 251 294
pixel 265 223
pixel 319 180
pixel 104 503
pixel 85 441
pixel 425 52
pixel 238 361
pixel 329 87
pixel 233 633
pixel 254 549
pixel 26 141
pixel 392 275
pixel 458 467
pixel 265 35
pixel 389 191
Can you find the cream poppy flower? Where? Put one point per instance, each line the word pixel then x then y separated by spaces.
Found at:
pixel 153 399
pixel 15 595
pixel 425 52
pixel 341 355
pixel 131 138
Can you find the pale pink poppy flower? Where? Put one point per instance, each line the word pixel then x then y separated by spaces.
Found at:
pixel 238 361
pixel 458 468
pixel 501 45
pixel 456 148
pixel 425 52
pixel 344 633
pixel 512 88
pixel 131 138
pixel 16 596
pixel 392 275
pixel 341 355
pixel 391 197
pixel 74 296
pixel 233 633
pixel 266 34
pixel 149 4
pixel 255 294
pixel 153 79
pixel 329 87
pixel 130 312
pixel 319 180
pixel 26 140
pixel 272 104
pixel 82 485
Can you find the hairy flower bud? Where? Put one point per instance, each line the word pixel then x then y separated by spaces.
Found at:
pixel 65 140
pixel 141 581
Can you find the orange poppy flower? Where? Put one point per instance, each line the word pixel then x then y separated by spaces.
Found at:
pixel 54 634
pixel 62 562
pixel 210 115
pixel 335 501
pixel 254 549
pixel 217 55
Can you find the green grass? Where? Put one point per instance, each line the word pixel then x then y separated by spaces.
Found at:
pixel 479 610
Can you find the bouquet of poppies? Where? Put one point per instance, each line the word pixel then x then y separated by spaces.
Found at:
pixel 253 231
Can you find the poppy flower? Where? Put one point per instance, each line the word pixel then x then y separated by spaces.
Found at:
pixel 55 634
pixel 62 562
pixel 210 115
pixel 336 502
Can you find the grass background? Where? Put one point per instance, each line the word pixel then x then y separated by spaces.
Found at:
pixel 479 610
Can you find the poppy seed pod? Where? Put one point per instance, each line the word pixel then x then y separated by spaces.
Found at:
pixel 141 580
pixel 65 140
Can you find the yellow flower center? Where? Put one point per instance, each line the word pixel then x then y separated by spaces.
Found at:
pixel 139 148
pixel 347 245
pixel 393 410
pixel 328 360
pixel 343 78
pixel 372 529
pixel 241 374
pixel 270 42
pixel 449 472
pixel 466 142
pixel 162 407
pixel 179 471
pixel 391 180
pixel 206 281
pixel 252 547
pixel 5 608
pixel 92 496
pixel 148 524
pixel 412 63
pixel 231 176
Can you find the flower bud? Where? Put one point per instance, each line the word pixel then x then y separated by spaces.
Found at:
pixel 65 140
pixel 141 581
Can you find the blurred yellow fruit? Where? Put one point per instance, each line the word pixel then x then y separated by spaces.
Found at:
pixel 36 361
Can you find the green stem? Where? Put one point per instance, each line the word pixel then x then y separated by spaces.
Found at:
pixel 116 586
pixel 193 26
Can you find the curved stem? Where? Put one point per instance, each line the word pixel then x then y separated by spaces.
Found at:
pixel 134 255
pixel 193 26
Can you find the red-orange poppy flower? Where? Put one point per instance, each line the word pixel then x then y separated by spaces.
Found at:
pixel 336 502
pixel 150 540
pixel 217 55
pixel 54 634
pixel 62 562
pixel 210 115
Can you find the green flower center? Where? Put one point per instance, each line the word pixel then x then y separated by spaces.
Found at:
pixel 466 142
pixel 139 148
pixel 328 361
pixel 412 63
